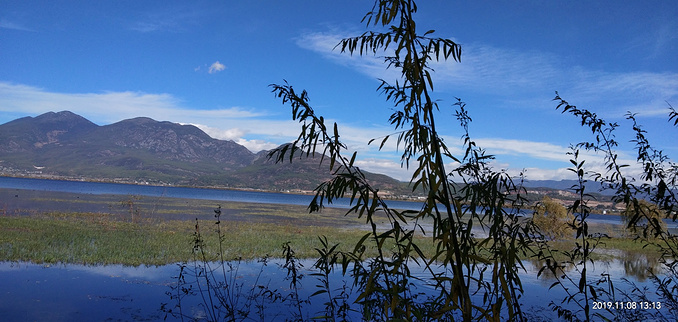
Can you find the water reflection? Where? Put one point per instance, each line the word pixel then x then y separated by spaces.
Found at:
pixel 76 292
pixel 636 265
pixel 547 276
pixel 32 292
pixel 640 265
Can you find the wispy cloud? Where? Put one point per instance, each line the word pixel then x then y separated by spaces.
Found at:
pixel 538 150
pixel 238 136
pixel 325 44
pixel 167 19
pixel 512 74
pixel 216 67
pixel 642 92
pixel 385 166
pixel 655 40
pixel 257 131
pixel 489 70
pixel 486 68
pixel 6 24
pixel 109 107
pixel 483 66
pixel 664 37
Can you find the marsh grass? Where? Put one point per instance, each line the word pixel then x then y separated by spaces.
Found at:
pixel 252 232
pixel 99 238
pixel 91 239
pixel 608 249
pixel 51 227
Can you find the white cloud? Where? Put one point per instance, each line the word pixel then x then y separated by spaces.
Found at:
pixel 257 145
pixel 256 132
pixel 238 136
pixel 5 24
pixel 508 75
pixel 325 44
pixel 216 67
pixel 490 70
pixel 221 134
pixel 105 108
pixel 535 174
pixel 538 150
pixel 168 19
pixel 385 166
pixel 594 164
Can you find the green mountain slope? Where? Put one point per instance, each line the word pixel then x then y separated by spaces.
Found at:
pixel 64 144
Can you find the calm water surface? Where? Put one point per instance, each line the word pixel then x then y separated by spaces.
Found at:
pixel 32 292
pixel 210 194
pixel 176 192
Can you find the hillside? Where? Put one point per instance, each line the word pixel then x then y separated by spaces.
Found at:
pixel 141 150
pixel 66 145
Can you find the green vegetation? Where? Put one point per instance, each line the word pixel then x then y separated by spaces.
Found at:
pixel 113 153
pixel 472 192
pixel 644 218
pixel 106 238
pixel 98 238
pixel 552 219
pixel 92 238
pixel 481 279
pixel 487 267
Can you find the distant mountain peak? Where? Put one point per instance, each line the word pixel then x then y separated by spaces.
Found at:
pixel 64 144
pixel 63 116
pixel 68 143
pixel 28 133
pixel 140 120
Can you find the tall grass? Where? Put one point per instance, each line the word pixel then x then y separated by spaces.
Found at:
pixel 96 238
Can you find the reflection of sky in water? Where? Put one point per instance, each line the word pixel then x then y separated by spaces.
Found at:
pixel 80 293
pixel 76 292
pixel 616 220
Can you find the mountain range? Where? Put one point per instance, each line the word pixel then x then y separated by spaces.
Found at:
pixel 66 145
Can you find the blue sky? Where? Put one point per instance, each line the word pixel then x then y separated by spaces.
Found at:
pixel 209 63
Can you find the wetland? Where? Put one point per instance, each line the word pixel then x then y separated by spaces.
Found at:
pixel 68 255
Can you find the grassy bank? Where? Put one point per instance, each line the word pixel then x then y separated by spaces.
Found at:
pixel 95 238
pixel 99 238
pixel 54 227
pixel 92 238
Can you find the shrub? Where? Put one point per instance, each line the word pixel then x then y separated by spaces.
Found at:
pixel 552 219
pixel 644 217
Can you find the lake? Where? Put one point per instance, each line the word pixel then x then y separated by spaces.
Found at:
pixel 225 195
pixel 99 188
pixel 114 292
pixel 32 292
